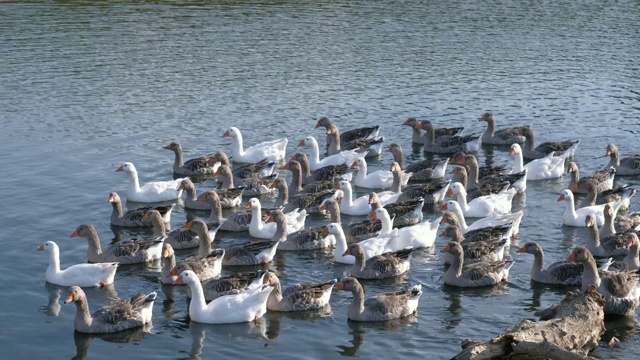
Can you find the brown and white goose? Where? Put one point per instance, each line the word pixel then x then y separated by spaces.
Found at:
pixel 296 187
pixel 200 166
pixel 601 180
pixel 473 275
pixel 303 239
pixel 229 198
pixel 620 289
pixel 460 175
pixel 383 307
pixel 250 254
pixel 260 169
pixel 389 264
pixel 133 218
pixel 299 297
pixel 629 165
pixel 368 147
pixel 506 136
pixel 470 162
pixel 310 202
pixel 180 238
pixel 119 316
pixel 482 170
pixel 237 221
pixel 133 251
pixel 558 273
pixel 404 213
pixel 327 173
pixel 422 170
pixel 349 135
pixel 615 222
pixel 355 231
pixel 250 186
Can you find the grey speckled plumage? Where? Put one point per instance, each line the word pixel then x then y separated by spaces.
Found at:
pixel 601 180
pixel 237 221
pixel 629 165
pixel 229 198
pixel 260 169
pixel 417 137
pixel 612 245
pixel 229 285
pixel 200 166
pixel 473 275
pixel 132 251
pixel 252 253
pixel 430 191
pixel 299 297
pixel 383 307
pixel 326 173
pixel 544 149
pixel 487 247
pixel 447 145
pixel 304 239
pixel 389 264
pixel 558 273
pixel 250 187
pixel 505 136
pixel 133 218
pixel 119 316
pixel 422 170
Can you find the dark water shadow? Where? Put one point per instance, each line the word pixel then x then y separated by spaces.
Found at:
pixel 56 294
pixel 358 329
pixel 275 318
pixel 83 341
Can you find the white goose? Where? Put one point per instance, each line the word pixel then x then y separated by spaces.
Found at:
pixel 417 236
pixel 258 229
pixel 248 305
pixel 548 167
pixel 349 205
pixel 152 191
pixel 492 220
pixel 488 205
pixel 84 275
pixel 371 247
pixel 273 150
pixel 381 179
pixel 576 218
pixel 347 156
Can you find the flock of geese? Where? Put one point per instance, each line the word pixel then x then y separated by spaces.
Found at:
pixel 379 246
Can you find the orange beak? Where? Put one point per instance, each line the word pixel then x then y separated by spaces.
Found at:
pixel 561 197
pixel 512 151
pixel 202 197
pixel 75 234
pixel 446 248
pixel 226 133
pixel 571 257
pixel 187 225
pixel 40 248
pixel 522 249
pixel 178 280
pixel 340 285
pixel 270 219
pixel 449 192
pixel 372 216
pixel 445 233
pixel 169 147
pixel 346 252
pixel 112 198
pixel 301 143
pixel 145 216
pixel 443 220
pixel 325 231
pixel 69 298
pixel 444 207
pixel 273 185
pixel 248 206
pixel 173 272
pixel 266 281
pixel 317 125
pixel 355 163
pixel 120 169
pixel 336 186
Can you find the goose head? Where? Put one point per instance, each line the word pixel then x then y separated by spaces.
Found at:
pixel 49 247
pixel 612 149
pixel 566 195
pixel 232 132
pixel 253 203
pixel 580 255
pixel 488 116
pixel 452 248
pixel 530 248
pixel 309 141
pixel 515 149
pixel 114 197
pixel 74 294
pixel 456 188
pixel 127 167
pixel 187 277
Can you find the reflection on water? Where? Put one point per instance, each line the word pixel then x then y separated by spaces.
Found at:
pixel 358 329
pixel 104 295
pixel 83 341
pixel 540 289
pixel 625 328
pixel 275 318
pixel 454 308
pixel 53 307
pixel 218 333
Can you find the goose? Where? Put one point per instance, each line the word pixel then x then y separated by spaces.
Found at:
pixel 350 206
pixel 300 297
pixel 354 232
pixel 558 273
pixel 383 307
pixel 459 174
pixel 431 192
pixel 483 171
pixel 250 254
pixel 133 218
pixel 491 248
pixel 381 179
pixel 168 262
pixel 200 166
pixel 273 150
pixel 608 196
pixel 260 230
pixel 489 233
pixel 566 148
pixel 381 266
pixel 229 198
pixel 310 202
pixel 86 275
pixel 576 218
pixel 548 167
pixel 250 186
pixel 236 222
pixel 349 135
pixel 612 245
pixel 629 165
pixel 420 170
pixel 454 209
pixel 492 136
pixel 482 206
pixel 373 246
pixel 152 191
pixel 248 305
pixel 404 213
pixel 260 169
pixel 369 147
pixel 315 163
pixel 119 316
pixel 416 236
pixel 614 222
pixel 447 145
pixel 601 180
pixel 127 252
pixel 181 238
pixel 517 179
pixel 231 284
pixel 619 289
pixel 417 137
pixel 631 262
pixel 473 275
pixel 303 239
pixel 326 173
pixel 296 181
